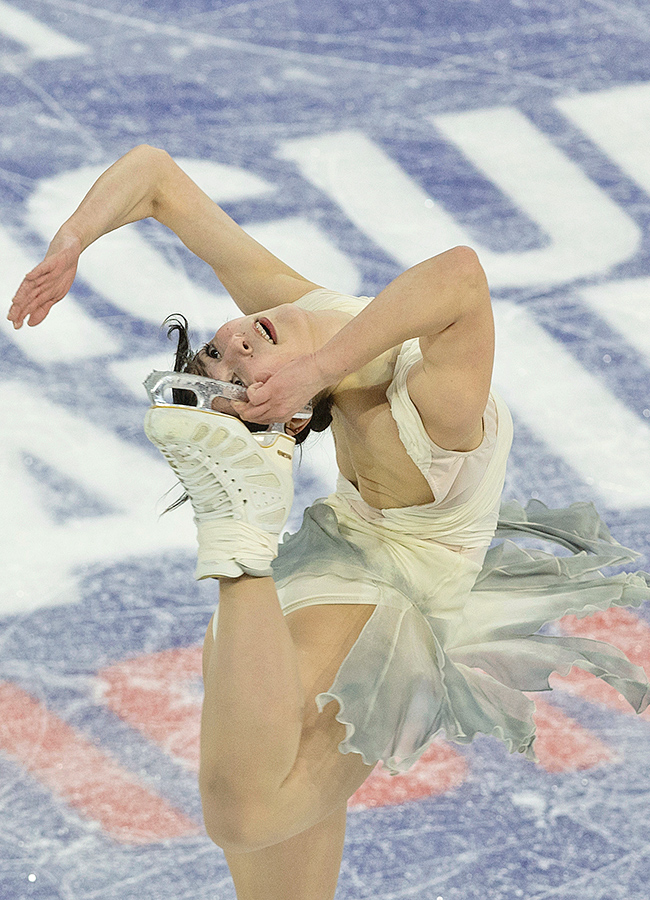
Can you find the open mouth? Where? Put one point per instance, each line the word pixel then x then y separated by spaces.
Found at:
pixel 264 327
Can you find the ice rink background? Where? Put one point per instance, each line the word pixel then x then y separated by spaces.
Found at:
pixel 354 139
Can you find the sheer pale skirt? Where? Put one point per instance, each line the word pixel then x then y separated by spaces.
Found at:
pixel 452 646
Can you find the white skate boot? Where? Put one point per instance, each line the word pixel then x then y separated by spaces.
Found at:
pixel 240 485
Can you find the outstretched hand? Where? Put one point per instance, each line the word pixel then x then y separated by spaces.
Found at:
pixel 283 394
pixel 48 283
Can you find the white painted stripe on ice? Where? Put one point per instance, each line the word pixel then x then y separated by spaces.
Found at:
pixel 625 305
pixel 224 183
pixel 132 372
pixel 571 411
pixel 375 193
pixel 618 120
pixel 305 247
pixel 133 275
pixel 589 233
pixel 42 41
pixel 39 562
pixel 67 333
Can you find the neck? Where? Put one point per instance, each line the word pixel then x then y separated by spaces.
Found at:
pixel 325 323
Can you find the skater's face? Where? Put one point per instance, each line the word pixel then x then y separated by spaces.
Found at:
pixel 252 348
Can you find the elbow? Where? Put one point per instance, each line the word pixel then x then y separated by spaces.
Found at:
pixel 465 260
pixel 469 273
pixel 458 263
pixel 147 151
pixel 151 160
pixel 154 166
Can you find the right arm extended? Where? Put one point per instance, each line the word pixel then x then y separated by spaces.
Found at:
pixel 146 182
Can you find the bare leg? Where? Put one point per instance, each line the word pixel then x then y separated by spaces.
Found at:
pixel 270 763
pixel 304 867
pixel 254 698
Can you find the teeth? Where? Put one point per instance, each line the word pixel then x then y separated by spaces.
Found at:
pixel 259 328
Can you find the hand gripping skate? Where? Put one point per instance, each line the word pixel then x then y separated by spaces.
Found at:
pixel 160 387
pixel 240 484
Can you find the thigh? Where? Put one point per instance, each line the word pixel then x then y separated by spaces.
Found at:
pixel 322 777
pixel 323 636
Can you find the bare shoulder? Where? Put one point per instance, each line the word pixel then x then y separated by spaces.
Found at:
pixel 450 386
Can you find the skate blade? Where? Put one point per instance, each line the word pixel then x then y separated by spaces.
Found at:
pixel 160 386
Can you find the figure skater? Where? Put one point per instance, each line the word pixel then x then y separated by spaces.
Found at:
pixel 385 620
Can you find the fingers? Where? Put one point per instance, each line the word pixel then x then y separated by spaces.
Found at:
pixel 19 305
pixel 26 301
pixel 37 316
pixel 251 413
pixel 30 303
pixel 34 315
pixel 261 412
pixel 40 289
pixel 258 394
pixel 255 409
pixel 38 292
pixel 275 400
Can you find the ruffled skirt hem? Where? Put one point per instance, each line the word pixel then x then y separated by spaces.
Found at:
pixel 421 668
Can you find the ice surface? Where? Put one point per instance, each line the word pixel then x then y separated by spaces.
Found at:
pixel 354 138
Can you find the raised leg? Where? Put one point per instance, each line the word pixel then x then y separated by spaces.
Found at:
pixel 254 696
pixel 270 763
pixel 304 867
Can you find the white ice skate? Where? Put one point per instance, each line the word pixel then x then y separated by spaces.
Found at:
pixel 240 484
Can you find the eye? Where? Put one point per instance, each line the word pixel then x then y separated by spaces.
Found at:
pixel 235 380
pixel 211 351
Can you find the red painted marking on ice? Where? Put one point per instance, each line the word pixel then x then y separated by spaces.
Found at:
pixel 564 746
pixel 156 694
pixel 83 776
pixel 617 626
pixel 581 684
pixel 624 630
pixel 439 770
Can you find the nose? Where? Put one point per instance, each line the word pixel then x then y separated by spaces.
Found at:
pixel 241 345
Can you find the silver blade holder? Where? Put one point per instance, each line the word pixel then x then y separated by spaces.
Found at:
pixel 159 387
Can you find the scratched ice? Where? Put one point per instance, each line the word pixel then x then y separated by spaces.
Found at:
pixel 354 139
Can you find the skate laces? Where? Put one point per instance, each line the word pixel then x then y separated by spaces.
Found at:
pixel 240 486
pixel 202 481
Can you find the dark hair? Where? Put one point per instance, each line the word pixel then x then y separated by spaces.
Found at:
pixel 186 360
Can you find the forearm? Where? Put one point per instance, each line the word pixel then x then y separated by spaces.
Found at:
pixel 423 301
pixel 126 192
pixel 146 182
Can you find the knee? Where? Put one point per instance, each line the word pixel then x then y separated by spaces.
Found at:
pixel 235 823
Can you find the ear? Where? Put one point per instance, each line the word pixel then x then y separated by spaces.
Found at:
pixel 295 426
